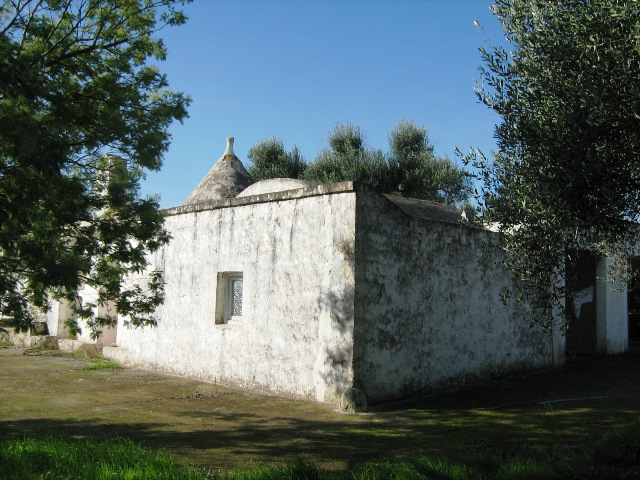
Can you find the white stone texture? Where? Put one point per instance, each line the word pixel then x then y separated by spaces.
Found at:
pixel 428 308
pixel 295 337
pixel 56 316
pixel 108 336
pixel 343 288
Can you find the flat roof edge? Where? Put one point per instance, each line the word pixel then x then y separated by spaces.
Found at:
pixel 318 190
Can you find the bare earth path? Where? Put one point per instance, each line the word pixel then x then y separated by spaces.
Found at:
pixel 221 427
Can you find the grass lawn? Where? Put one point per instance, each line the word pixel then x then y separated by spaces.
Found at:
pixel 578 421
pixel 616 455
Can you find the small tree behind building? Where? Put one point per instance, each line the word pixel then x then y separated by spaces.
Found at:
pixel 409 169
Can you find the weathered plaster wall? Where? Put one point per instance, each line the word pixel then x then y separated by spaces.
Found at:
pixel 58 313
pixel 296 253
pixel 108 336
pixel 612 324
pixel 428 308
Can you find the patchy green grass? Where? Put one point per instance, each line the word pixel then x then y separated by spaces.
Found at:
pixel 430 467
pixel 94 360
pixel 560 423
pixel 101 363
pixel 54 459
pixel 614 456
pixel 621 446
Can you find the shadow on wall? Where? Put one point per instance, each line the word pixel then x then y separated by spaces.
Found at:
pixel 341 315
pixel 336 306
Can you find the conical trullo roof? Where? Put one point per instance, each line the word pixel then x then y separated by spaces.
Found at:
pixel 226 179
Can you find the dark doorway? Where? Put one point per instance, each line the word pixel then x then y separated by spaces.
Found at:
pixel 633 301
pixel 581 302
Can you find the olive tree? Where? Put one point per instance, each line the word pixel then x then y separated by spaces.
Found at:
pixel 269 159
pixel 347 158
pixel 418 173
pixel 409 169
pixel 565 175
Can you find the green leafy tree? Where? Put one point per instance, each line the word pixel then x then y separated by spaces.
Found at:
pixel 418 173
pixel 565 176
pixel 83 114
pixel 346 158
pixel 269 159
pixel 410 169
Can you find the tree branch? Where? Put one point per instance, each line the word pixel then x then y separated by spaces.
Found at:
pixel 18 8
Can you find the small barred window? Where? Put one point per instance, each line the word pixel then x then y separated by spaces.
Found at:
pixel 229 297
pixel 236 296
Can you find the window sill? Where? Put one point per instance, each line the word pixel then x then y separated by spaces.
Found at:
pixel 230 323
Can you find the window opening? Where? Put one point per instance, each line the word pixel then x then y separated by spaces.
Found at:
pixel 235 302
pixel 229 297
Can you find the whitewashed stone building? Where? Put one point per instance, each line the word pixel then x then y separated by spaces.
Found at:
pixel 310 290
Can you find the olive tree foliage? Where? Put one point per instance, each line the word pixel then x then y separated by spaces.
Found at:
pixel 269 159
pixel 418 173
pixel 409 169
pixel 347 158
pixel 83 114
pixel 565 175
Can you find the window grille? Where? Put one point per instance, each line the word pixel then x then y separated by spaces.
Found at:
pixel 236 297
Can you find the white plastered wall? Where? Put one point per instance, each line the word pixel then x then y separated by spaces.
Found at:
pixel 108 335
pixel 296 258
pixel 611 312
pixel 429 309
pixel 56 316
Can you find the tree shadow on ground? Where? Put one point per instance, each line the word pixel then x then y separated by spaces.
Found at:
pixel 515 415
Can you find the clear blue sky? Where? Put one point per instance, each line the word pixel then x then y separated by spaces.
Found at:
pixel 294 69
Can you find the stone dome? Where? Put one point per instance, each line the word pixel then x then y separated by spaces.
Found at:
pixel 226 179
pixel 271 185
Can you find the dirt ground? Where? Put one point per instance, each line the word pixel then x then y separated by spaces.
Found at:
pixel 215 426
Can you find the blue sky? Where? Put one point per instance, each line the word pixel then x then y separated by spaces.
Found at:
pixel 294 69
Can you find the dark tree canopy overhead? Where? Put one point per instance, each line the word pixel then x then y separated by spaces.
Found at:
pixel 409 169
pixel 83 113
pixel 566 174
